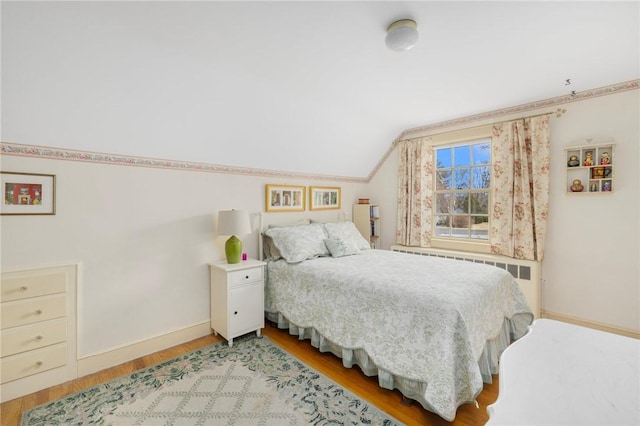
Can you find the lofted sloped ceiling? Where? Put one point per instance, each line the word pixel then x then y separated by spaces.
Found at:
pixel 299 86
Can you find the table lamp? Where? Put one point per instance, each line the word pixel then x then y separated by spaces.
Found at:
pixel 233 222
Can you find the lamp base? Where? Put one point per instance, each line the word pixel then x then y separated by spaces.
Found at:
pixel 233 249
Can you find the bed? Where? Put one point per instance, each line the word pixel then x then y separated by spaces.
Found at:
pixel 566 374
pixel 433 328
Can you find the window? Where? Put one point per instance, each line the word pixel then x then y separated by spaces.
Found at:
pixel 462 184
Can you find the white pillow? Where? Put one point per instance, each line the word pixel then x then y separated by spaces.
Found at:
pixel 348 232
pixel 270 250
pixel 298 243
pixel 341 248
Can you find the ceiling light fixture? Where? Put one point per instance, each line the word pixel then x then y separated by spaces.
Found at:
pixel 402 35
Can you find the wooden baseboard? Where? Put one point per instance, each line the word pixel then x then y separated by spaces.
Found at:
pixel 591 324
pixel 97 362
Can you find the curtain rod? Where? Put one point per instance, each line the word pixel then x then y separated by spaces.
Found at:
pixel 529 116
pixel 403 136
pixel 558 115
pixel 557 112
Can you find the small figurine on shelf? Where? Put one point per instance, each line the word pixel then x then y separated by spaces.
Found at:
pixel 588 159
pixel 573 161
pixel 606 186
pixel 597 172
pixel 577 186
pixel 605 158
pixel 593 187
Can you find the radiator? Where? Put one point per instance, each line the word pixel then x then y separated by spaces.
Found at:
pixel 526 272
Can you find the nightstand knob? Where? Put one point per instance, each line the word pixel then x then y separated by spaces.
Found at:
pixel 38 312
pixel 24 288
pixel 39 364
pixel 246 277
pixel 235 313
pixel 39 337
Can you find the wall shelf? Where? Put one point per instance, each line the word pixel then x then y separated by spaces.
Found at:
pixel 590 169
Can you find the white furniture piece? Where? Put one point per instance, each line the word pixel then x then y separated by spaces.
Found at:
pixel 237 298
pixel 564 374
pixel 366 218
pixel 38 332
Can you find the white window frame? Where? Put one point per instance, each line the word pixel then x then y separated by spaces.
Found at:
pixel 451 139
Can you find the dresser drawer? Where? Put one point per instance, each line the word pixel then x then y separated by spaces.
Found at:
pixel 32 362
pixel 33 336
pixel 22 312
pixel 245 276
pixel 21 285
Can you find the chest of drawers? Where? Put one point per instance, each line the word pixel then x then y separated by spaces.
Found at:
pixel 37 329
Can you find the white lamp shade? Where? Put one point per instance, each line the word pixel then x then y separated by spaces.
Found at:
pixel 402 35
pixel 233 222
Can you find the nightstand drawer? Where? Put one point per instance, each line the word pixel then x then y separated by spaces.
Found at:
pixel 21 312
pixel 22 286
pixel 33 336
pixel 245 276
pixel 32 362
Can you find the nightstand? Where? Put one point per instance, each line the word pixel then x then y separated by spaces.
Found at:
pixel 237 298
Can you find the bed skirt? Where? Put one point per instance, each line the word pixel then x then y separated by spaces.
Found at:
pixel 488 363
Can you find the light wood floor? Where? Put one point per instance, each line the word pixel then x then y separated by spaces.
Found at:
pixel 328 364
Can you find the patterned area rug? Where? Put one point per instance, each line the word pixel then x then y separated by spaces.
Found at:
pixel 252 383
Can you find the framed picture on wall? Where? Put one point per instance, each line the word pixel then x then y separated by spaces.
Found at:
pixel 28 193
pixel 324 198
pixel 284 198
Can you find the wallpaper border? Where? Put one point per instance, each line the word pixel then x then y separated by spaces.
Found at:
pixel 24 150
pixel 519 109
pixel 498 114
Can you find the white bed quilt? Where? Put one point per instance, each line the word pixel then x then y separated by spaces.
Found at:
pixel 424 319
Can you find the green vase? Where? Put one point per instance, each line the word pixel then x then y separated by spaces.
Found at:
pixel 233 249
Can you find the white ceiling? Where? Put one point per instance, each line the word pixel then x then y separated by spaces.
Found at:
pixel 291 86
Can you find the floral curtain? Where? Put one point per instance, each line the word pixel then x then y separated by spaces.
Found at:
pixel 520 188
pixel 415 192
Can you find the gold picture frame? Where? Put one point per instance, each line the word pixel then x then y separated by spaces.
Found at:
pixel 285 198
pixel 324 197
pixel 28 194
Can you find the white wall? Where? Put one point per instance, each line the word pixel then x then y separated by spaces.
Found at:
pixel 591 269
pixel 144 237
